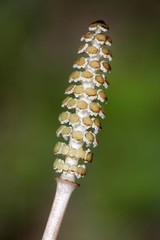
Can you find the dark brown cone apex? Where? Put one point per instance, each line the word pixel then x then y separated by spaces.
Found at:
pixel 99 21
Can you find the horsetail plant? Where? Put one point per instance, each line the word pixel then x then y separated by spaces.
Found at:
pixel 82 109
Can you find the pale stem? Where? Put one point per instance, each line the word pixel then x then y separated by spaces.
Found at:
pixel 62 196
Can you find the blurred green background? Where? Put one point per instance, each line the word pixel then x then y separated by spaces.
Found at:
pixel 120 196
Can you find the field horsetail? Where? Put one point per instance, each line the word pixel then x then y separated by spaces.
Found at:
pixel 80 118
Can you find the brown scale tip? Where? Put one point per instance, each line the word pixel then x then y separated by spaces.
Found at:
pixel 99 23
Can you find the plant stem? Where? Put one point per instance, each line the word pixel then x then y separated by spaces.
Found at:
pixel 62 196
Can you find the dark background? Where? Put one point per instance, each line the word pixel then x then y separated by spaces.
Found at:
pixel 120 196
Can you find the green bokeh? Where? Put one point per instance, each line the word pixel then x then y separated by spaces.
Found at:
pixel 120 196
